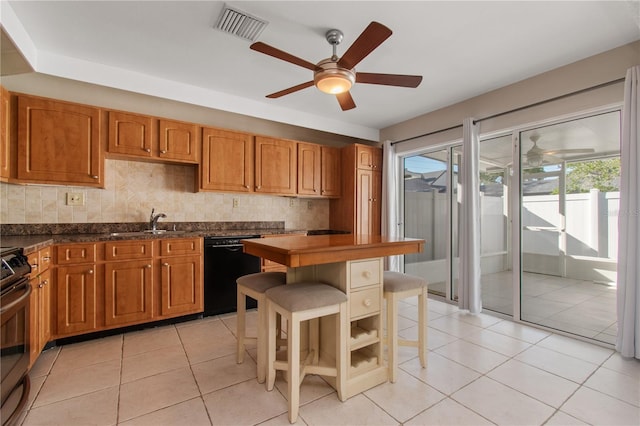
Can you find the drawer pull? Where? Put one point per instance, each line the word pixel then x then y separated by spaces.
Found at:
pixel 165 264
pixel 45 282
pixel 366 302
pixel 148 149
pixel 34 266
pixel 90 271
pixel 40 285
pixel 163 152
pixel 94 176
pixel 148 266
pixel 46 259
pixel 366 274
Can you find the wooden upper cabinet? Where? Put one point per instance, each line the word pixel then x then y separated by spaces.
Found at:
pixel 5 114
pixel 227 161
pixel 275 166
pixel 178 141
pixel 369 157
pixel 58 142
pixel 130 134
pixel 309 169
pixel 331 172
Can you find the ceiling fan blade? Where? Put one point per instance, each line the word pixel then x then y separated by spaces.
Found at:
pixel 569 151
pixel 371 37
pixel 389 79
pixel 279 54
pixel 346 101
pixel 290 90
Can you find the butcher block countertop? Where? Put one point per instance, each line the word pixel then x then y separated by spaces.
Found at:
pixel 295 251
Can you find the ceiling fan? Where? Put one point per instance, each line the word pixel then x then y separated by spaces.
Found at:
pixel 536 156
pixel 337 75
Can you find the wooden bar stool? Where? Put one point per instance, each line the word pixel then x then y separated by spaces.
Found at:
pixel 297 303
pixel 255 286
pixel 398 286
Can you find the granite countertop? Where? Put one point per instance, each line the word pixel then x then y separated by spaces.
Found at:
pixel 34 237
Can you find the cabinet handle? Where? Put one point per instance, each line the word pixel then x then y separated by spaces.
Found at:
pixel 148 266
pixel 258 187
pixel 45 282
pixel 95 177
pixel 34 266
pixel 147 149
pixel 46 259
pixel 165 264
pixel 90 271
pixel 40 285
pixel 366 274
pixel 163 152
pixel 246 186
pixel 366 302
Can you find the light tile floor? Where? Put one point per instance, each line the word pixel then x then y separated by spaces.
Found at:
pixel 481 370
pixel 580 307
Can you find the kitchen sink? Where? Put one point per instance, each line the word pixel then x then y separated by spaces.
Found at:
pixel 146 232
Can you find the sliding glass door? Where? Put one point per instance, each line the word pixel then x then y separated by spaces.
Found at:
pixel 569 201
pixel 428 214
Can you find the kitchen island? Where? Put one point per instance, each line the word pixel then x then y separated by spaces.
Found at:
pixel 353 264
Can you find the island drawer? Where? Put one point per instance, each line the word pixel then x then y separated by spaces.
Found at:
pixel 364 273
pixel 364 302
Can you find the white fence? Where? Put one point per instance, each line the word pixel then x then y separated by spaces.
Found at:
pixel 591 234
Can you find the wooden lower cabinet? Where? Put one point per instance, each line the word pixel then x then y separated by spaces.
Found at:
pixel 40 314
pixel 128 292
pixel 182 287
pixel 76 293
pixel 127 283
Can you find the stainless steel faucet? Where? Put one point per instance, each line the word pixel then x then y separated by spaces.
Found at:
pixel 153 219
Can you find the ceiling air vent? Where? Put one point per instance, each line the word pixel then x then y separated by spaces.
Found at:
pixel 240 24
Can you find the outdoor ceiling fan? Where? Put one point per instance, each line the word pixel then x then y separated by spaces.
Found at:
pixel 337 75
pixel 537 156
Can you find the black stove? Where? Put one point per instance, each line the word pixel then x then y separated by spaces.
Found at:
pixel 15 266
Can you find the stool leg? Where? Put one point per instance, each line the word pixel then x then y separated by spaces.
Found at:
pixel 262 340
pixel 271 344
pixel 392 336
pixel 293 355
pixel 240 326
pixel 422 327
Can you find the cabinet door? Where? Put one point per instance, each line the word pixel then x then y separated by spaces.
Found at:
pixel 58 142
pixel 227 161
pixel 5 158
pixel 364 194
pixel 276 166
pixel 331 172
pixel 368 157
pixel 309 168
pixel 130 134
pixel 76 290
pixel 128 292
pixel 44 309
pixel 178 141
pixel 182 289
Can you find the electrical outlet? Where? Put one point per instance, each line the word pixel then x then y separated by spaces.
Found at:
pixel 75 199
pixel 309 205
pixel 235 202
pixel 290 202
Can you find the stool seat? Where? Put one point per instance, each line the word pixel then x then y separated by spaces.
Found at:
pixel 299 302
pixel 395 282
pixel 262 281
pixel 305 296
pixel 255 286
pixel 397 286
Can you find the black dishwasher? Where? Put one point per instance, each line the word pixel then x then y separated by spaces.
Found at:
pixel 224 262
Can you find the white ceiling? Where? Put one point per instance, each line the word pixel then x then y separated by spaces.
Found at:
pixel 170 49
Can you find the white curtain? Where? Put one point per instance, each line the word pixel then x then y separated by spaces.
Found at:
pixel 390 200
pixel 469 296
pixel 628 341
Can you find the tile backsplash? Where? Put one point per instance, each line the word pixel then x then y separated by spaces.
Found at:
pixel 133 188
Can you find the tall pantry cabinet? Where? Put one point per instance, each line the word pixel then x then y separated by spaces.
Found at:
pixel 359 209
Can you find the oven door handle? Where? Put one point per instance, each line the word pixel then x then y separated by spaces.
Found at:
pixel 24 283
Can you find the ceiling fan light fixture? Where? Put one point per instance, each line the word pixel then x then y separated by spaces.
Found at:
pixel 332 79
